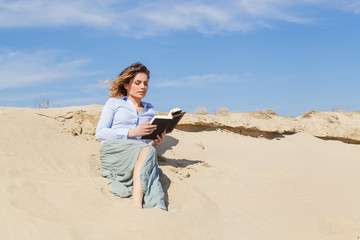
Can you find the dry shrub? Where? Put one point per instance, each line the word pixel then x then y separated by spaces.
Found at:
pixel 223 111
pixel 269 113
pixel 336 108
pixel 42 102
pixel 201 111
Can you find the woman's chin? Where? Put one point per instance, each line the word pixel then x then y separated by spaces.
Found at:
pixel 137 96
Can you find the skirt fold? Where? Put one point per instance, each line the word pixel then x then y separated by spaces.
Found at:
pixel 117 161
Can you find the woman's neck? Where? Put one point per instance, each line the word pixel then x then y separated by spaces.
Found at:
pixel 135 101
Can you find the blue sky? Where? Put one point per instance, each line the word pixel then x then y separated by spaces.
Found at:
pixel 288 55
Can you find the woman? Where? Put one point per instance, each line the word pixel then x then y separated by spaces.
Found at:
pixel 129 162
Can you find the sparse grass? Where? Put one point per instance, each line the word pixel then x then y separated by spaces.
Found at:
pixel 223 111
pixel 337 109
pixel 201 111
pixel 269 113
pixel 42 102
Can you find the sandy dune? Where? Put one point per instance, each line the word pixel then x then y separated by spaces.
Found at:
pixel 226 176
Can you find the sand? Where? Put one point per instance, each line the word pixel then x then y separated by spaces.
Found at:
pixel 225 176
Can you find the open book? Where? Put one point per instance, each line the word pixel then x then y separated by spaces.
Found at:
pixel 167 122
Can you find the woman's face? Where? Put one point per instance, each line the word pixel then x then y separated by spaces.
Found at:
pixel 138 86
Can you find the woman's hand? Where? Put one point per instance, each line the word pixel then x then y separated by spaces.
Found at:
pixel 159 139
pixel 142 129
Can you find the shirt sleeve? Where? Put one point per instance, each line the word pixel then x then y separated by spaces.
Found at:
pixel 104 130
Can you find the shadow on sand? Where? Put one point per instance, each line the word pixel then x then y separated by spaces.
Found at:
pixel 168 143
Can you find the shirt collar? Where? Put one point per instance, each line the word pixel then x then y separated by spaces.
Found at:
pixel 145 104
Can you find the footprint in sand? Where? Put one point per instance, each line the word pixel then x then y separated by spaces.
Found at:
pixel 200 145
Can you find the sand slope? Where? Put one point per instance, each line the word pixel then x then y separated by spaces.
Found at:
pixel 220 182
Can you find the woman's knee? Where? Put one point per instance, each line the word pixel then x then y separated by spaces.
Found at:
pixel 145 150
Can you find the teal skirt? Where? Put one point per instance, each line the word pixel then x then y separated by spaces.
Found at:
pixel 117 161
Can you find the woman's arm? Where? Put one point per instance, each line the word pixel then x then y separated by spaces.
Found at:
pixel 104 130
pixel 142 129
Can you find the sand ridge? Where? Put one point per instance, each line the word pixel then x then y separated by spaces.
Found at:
pixel 339 125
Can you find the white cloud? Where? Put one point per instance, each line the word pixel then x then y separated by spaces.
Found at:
pixel 18 69
pixel 142 18
pixel 352 6
pixel 202 81
pixel 23 13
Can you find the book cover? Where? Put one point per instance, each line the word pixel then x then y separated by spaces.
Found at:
pixel 163 123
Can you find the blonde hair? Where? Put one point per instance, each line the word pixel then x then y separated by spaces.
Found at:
pixel 117 88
